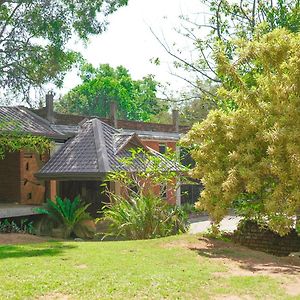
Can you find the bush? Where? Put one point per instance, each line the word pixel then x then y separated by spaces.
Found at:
pixel 24 226
pixel 66 213
pixel 143 217
pixel 189 208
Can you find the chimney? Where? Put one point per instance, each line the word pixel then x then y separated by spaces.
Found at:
pixel 49 106
pixel 175 118
pixel 113 114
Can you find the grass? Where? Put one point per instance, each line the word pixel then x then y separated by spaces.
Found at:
pixel 152 269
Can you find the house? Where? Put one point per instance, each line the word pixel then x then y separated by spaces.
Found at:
pixel 20 191
pixel 85 150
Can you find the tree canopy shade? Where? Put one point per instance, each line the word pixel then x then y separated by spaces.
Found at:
pixel 252 154
pixel 136 99
pixel 34 35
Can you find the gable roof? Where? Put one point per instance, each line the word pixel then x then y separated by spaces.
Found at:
pixel 23 120
pixel 124 140
pixel 95 151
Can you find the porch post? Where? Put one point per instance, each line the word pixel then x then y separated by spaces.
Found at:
pixel 53 189
pixel 115 187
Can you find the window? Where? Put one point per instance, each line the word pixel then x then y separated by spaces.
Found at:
pixel 27 166
pixel 162 148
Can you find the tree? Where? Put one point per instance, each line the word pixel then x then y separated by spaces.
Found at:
pixel 34 37
pixel 140 210
pixel 136 99
pixel 228 20
pixel 252 154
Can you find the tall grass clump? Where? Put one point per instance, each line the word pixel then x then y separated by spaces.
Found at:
pixel 139 210
pixel 143 217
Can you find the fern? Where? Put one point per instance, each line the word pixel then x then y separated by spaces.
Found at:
pixel 66 212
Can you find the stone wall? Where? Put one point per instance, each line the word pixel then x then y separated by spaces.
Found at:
pixel 252 236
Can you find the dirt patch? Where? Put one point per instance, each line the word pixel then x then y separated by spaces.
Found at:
pixel 242 261
pixel 54 296
pixel 20 238
pixel 83 266
pixel 293 288
pixel 232 297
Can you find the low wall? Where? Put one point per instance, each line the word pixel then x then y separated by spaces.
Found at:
pixel 252 236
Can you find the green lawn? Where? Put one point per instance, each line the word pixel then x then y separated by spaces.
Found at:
pixel 154 269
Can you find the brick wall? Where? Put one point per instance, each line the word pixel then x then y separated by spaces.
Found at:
pixel 32 190
pixel 254 237
pixel 10 180
pixel 155 144
pixel 146 126
pixel 171 195
pixel 17 181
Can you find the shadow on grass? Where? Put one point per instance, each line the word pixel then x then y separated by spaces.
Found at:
pixel 248 260
pixel 19 251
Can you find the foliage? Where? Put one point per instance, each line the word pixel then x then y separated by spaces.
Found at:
pixel 192 108
pixel 24 226
pixel 15 140
pixel 34 37
pixel 66 212
pixel 136 99
pixel 214 232
pixel 188 208
pixel 196 110
pixel 154 169
pixel 223 21
pixel 140 212
pixel 143 217
pixel 252 154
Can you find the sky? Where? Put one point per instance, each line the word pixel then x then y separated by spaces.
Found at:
pixel 128 40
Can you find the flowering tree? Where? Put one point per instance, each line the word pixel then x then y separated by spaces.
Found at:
pixel 249 152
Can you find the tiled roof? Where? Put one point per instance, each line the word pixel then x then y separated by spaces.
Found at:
pixel 69 130
pixel 23 120
pixel 72 119
pixel 121 140
pixel 92 154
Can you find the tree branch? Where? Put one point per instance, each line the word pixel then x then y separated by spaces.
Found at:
pixel 167 49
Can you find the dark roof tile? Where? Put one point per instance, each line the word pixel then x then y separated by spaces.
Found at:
pixel 25 121
pixel 91 153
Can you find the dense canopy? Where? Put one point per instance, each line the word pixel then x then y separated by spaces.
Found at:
pixel 136 99
pixel 34 38
pixel 251 154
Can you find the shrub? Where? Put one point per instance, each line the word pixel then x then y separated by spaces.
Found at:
pixel 143 217
pixel 189 208
pixel 24 226
pixel 66 213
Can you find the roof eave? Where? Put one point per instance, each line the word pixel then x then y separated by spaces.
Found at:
pixel 71 176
